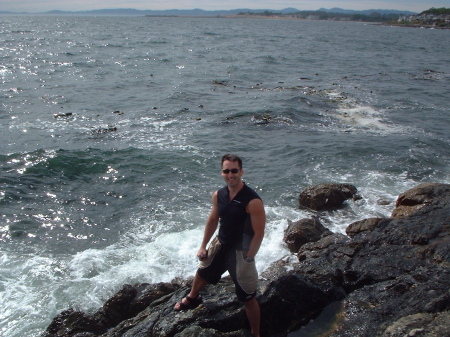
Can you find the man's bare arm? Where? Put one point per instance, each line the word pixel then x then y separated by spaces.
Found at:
pixel 258 219
pixel 210 228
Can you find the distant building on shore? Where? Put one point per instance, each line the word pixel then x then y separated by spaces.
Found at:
pixel 434 20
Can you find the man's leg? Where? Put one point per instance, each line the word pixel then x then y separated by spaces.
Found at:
pixel 245 278
pixel 198 284
pixel 253 315
pixel 212 268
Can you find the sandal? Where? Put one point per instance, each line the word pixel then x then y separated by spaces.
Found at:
pixel 191 303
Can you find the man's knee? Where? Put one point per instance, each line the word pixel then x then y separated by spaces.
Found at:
pixel 209 277
pixel 243 296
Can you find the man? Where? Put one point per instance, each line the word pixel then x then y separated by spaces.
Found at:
pixel 242 218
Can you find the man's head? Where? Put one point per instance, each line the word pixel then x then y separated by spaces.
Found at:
pixel 232 171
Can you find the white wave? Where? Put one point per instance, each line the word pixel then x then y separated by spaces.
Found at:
pixel 35 289
pixel 363 116
pixel 360 116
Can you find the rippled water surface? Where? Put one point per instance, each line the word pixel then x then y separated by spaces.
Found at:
pixel 113 129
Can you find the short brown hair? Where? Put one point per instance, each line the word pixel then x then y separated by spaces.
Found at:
pixel 232 157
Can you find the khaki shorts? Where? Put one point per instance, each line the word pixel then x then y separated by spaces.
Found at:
pixel 222 258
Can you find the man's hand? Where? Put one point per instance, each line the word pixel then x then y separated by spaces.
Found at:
pixel 202 254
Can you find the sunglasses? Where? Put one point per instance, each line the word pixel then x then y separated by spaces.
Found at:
pixel 234 171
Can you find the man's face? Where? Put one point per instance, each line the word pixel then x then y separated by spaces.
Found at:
pixel 232 179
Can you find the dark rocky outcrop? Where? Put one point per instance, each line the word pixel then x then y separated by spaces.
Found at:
pixel 327 196
pixel 389 278
pixel 366 225
pixel 421 200
pixel 125 304
pixel 303 231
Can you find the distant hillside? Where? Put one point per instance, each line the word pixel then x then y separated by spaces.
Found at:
pixel 11 13
pixel 201 12
pixel 366 12
pixel 337 14
pixel 169 12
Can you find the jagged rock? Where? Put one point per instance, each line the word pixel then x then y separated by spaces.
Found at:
pixel 327 196
pixel 423 324
pixel 325 262
pixel 365 225
pixel 131 300
pixel 400 268
pixel 220 312
pixel 200 332
pixel 72 323
pixel 116 309
pixel 423 196
pixel 289 301
pixel 303 231
pixel 126 303
pixel 389 278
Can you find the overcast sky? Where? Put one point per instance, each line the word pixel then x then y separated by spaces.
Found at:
pixel 77 5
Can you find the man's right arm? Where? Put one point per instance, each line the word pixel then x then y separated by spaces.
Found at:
pixel 210 228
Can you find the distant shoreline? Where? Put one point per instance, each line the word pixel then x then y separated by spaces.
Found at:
pixel 412 24
pixel 415 25
pixel 232 16
pixel 286 17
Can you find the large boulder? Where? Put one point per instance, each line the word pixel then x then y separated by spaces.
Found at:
pixel 126 303
pixel 327 196
pixel 72 323
pixel 394 270
pixel 420 199
pixel 303 231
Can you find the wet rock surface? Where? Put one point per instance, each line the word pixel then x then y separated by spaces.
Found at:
pixel 390 277
pixel 327 196
pixel 303 231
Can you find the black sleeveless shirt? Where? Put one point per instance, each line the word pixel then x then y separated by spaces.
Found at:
pixel 235 225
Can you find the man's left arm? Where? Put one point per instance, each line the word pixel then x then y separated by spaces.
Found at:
pixel 258 220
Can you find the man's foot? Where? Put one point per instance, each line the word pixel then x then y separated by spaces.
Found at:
pixel 188 303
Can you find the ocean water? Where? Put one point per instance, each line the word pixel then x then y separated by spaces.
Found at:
pixel 112 130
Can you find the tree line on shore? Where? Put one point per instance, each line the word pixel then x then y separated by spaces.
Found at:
pixel 374 16
pixel 330 16
pixel 437 11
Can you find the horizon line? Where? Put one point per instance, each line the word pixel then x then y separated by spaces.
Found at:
pixel 204 10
